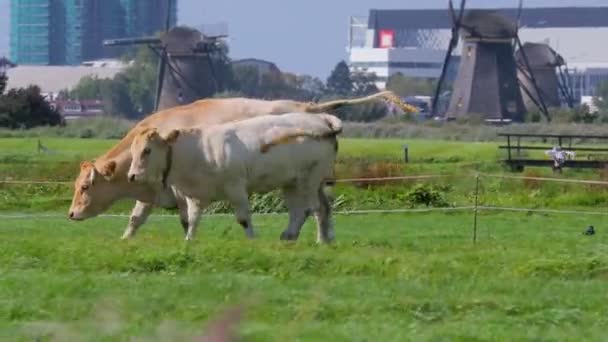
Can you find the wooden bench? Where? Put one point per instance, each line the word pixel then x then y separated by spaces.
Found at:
pixel 598 158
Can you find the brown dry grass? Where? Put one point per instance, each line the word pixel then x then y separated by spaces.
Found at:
pixel 379 169
pixel 532 184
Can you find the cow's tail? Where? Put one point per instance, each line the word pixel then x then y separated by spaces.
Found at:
pixel 386 95
pixel 288 135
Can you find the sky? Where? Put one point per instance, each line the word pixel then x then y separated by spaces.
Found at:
pixel 299 36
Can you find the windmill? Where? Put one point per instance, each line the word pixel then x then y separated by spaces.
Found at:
pixel 486 82
pixel 185 69
pixel 547 66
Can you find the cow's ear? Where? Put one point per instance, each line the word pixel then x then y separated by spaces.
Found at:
pixel 86 165
pixel 108 169
pixel 172 136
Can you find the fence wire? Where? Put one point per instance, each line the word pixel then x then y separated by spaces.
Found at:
pixel 339 212
pixel 476 208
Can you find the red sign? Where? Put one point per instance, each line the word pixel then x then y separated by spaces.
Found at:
pixel 387 39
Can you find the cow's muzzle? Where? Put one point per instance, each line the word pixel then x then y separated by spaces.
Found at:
pixel 72 215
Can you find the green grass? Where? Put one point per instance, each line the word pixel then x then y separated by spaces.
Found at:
pixel 64 148
pixel 353 148
pixel 420 150
pixel 389 278
pixel 357 158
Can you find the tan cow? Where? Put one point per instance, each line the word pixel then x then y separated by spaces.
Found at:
pixel 293 152
pixel 104 181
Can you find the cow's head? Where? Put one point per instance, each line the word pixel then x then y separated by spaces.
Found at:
pixel 150 156
pixel 92 194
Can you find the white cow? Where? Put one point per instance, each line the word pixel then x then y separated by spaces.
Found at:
pixel 295 152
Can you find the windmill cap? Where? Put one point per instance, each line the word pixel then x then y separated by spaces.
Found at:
pixel 539 55
pixel 488 24
pixel 181 39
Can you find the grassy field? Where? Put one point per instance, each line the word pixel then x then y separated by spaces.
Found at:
pixel 358 158
pixel 390 277
pixel 385 148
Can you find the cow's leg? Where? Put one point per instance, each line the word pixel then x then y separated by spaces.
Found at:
pixel 243 216
pixel 182 206
pixel 238 197
pixel 325 229
pixel 194 216
pixel 139 214
pixel 298 203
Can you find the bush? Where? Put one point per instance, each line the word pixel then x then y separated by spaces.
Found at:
pixel 228 94
pixel 366 112
pixel 27 108
pixel 580 114
pixel 87 133
pixel 534 116
pixel 431 196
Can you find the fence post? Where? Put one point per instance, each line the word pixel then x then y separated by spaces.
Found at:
pixel 406 154
pixel 475 210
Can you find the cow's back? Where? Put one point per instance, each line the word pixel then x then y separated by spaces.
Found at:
pixel 197 114
pixel 236 149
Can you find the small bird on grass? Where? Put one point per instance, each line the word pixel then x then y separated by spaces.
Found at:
pixel 590 231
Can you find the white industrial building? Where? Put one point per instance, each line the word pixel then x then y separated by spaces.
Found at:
pixel 414 42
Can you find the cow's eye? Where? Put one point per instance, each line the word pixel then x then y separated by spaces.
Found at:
pixel 146 151
pixel 84 188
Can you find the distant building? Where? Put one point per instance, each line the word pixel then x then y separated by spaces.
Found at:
pixel 414 42
pixel 74 109
pixel 54 79
pixel 585 78
pixel 66 32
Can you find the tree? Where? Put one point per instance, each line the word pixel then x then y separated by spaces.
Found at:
pixel 140 79
pixel 88 88
pixel 409 86
pixel 247 80
pixel 27 108
pixel 3 82
pixel 312 85
pixel 364 83
pixel 601 100
pixel 222 69
pixel 130 93
pixel 340 82
pixel 116 96
pixel 302 87
pixel 276 85
pixel 63 95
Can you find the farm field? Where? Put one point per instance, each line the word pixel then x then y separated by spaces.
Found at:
pixel 358 158
pixel 389 277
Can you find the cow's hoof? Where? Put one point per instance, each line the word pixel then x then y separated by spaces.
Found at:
pixel 324 241
pixel 249 234
pixel 288 236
